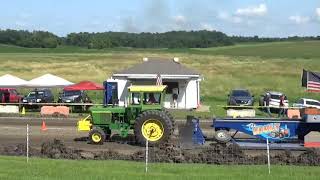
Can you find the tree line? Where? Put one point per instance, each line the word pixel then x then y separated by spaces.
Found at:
pixel 171 39
pixel 35 39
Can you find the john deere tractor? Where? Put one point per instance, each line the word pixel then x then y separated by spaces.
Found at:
pixel 144 113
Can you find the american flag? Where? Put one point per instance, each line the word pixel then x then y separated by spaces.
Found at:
pixel 313 86
pixel 159 80
pixel 311 80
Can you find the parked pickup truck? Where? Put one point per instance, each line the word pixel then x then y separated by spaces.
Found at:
pixel 10 95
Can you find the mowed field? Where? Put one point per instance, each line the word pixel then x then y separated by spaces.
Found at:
pixel 257 67
pixel 46 169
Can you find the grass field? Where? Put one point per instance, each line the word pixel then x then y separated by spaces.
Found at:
pixel 257 67
pixel 46 169
pixel 302 49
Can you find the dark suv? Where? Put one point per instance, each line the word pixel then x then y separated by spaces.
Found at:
pixel 240 97
pixel 73 97
pixel 39 96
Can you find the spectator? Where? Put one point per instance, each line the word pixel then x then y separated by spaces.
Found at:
pixel 281 106
pixel 267 103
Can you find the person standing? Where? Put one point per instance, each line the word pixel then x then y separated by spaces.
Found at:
pixel 267 98
pixel 175 94
pixel 281 106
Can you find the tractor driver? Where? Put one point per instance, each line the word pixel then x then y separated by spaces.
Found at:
pixel 152 99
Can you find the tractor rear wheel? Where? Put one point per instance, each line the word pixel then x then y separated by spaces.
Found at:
pixel 154 126
pixel 97 136
pixel 172 119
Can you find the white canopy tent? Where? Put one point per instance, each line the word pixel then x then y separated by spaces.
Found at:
pixel 48 80
pixel 10 81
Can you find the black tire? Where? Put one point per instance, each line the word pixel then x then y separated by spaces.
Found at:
pixel 160 116
pixel 222 136
pixel 108 133
pixel 172 119
pixel 95 133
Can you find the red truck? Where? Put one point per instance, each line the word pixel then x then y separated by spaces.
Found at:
pixel 9 95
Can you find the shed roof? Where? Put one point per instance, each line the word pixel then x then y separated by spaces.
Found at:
pixel 158 66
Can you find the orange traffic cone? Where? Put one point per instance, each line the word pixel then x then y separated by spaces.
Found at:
pixel 43 127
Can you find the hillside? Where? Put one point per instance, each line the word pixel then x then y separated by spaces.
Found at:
pixel 294 49
pixel 300 49
pixel 258 67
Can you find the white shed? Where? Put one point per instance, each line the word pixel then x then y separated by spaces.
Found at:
pixel 182 81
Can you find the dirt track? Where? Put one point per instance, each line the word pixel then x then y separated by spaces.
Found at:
pixel 13 131
pixel 72 144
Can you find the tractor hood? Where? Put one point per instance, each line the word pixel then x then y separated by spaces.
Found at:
pixel 107 109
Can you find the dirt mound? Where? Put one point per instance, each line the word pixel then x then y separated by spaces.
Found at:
pixel 311 157
pixel 57 150
pixel 19 150
pixel 284 158
pixel 170 153
pixel 217 154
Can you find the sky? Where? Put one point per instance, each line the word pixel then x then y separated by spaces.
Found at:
pixel 265 18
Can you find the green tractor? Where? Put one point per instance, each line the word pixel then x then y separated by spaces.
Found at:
pixel 144 114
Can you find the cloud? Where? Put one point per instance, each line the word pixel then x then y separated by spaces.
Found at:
pixel 179 22
pixel 230 18
pixel 259 10
pixel 180 19
pixel 299 19
pixel 223 15
pixel 206 26
pixel 21 24
pixel 318 12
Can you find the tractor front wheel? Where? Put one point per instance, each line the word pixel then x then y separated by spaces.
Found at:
pixel 153 126
pixel 97 136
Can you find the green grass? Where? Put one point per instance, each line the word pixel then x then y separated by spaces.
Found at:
pixel 298 49
pixel 43 169
pixel 257 67
pixel 288 49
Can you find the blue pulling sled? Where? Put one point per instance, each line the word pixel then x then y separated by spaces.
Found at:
pixel 276 130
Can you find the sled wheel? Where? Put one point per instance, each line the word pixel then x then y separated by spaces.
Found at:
pixel 222 136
